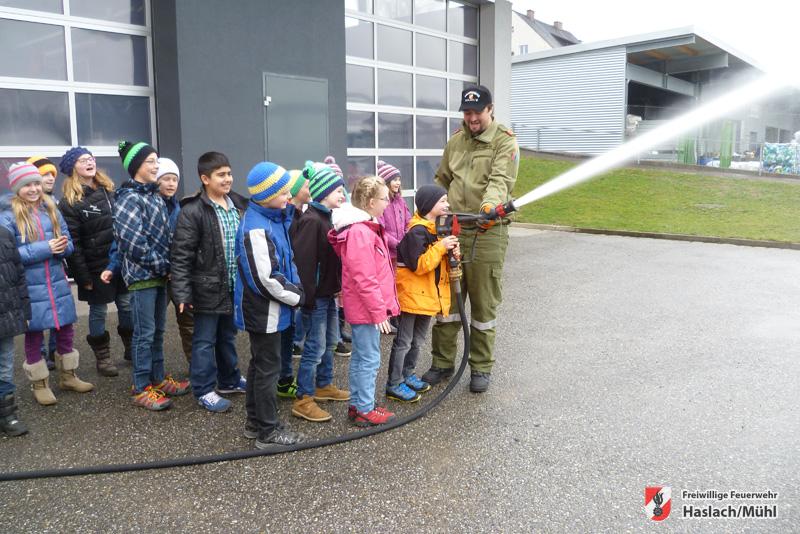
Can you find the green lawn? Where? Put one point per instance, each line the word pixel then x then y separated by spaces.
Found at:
pixel 665 201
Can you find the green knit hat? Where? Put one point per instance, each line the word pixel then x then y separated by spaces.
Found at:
pixel 322 180
pixel 133 155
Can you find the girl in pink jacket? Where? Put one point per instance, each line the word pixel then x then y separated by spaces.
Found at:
pixel 369 296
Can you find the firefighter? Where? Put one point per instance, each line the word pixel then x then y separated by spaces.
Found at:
pixel 478 170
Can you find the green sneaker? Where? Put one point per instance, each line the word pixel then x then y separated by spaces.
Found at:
pixel 287 388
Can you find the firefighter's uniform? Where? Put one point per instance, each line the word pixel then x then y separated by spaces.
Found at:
pixel 477 171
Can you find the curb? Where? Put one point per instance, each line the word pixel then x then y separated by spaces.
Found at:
pixel 672 237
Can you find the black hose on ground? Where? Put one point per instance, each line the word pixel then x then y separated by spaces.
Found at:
pixel 241 455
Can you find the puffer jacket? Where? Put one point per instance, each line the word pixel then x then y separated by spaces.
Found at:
pixel 267 284
pixel 91 227
pixel 318 265
pixel 395 221
pixel 369 295
pixel 15 306
pixel 199 273
pixel 52 305
pixel 423 276
pixel 141 230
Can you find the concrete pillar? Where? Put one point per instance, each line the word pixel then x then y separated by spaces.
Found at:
pixel 495 56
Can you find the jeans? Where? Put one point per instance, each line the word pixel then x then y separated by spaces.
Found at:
pixel 6 366
pixel 149 311
pixel 412 330
pixel 287 344
pixel 33 343
pixel 299 328
pixel 261 401
pixel 51 344
pixel 316 363
pixel 214 359
pixel 98 312
pixel 364 364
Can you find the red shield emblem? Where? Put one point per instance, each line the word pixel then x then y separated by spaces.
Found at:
pixel 657 502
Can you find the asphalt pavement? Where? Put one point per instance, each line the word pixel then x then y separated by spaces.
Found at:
pixel 621 363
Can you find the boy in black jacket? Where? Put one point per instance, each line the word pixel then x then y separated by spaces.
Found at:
pixel 203 278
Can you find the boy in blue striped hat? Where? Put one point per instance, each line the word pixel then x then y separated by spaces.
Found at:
pixel 267 288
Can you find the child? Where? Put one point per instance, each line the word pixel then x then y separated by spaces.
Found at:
pixel 294 333
pixel 87 208
pixel 320 272
pixel 168 177
pixel 203 265
pixel 267 288
pixel 368 292
pixel 48 171
pixel 43 241
pixel 141 230
pixel 423 288
pixel 395 218
pixel 16 312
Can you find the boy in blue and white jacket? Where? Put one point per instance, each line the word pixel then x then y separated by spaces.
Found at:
pixel 267 288
pixel 143 237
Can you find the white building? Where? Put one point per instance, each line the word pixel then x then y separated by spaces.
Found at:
pixel 529 34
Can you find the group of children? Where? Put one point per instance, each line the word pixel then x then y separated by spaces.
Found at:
pixel 276 265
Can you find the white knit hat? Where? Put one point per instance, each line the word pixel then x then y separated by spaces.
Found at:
pixel 167 166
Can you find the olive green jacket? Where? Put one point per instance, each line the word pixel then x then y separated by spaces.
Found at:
pixel 479 170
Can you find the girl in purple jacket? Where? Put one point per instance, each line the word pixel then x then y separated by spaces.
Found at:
pixel 368 292
pixel 396 217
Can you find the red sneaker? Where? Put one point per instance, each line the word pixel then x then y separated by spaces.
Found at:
pixel 378 416
pixel 151 399
pixel 174 388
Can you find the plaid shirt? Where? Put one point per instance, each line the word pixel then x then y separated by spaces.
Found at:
pixel 229 224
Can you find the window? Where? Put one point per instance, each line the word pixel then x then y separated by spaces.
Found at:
pixel 523 49
pixel 39 118
pixel 32 50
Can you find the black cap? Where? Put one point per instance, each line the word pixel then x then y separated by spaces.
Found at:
pixel 475 97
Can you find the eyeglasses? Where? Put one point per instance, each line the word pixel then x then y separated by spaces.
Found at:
pixel 84 160
pixel 151 161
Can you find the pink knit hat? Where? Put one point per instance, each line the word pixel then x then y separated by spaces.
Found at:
pixel 387 172
pixel 330 161
pixel 21 174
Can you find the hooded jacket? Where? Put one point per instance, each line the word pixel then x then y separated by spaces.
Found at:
pixel 141 230
pixel 395 221
pixel 423 276
pixel 197 262
pixel 52 305
pixel 369 295
pixel 318 265
pixel 267 285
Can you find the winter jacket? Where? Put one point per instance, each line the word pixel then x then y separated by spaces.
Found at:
pixel 91 227
pixel 173 210
pixel 267 284
pixel 199 273
pixel 318 265
pixel 141 230
pixel 368 288
pixel 395 222
pixel 51 300
pixel 15 306
pixel 423 277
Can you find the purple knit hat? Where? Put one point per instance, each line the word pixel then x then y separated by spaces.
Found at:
pixel 70 157
pixel 387 172
pixel 330 161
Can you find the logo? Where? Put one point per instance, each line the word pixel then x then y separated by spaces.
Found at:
pixel 657 502
pixel 472 96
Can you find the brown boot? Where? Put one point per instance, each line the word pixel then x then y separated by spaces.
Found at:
pixel 126 335
pixel 331 393
pixel 39 376
pixel 307 409
pixel 101 346
pixel 67 379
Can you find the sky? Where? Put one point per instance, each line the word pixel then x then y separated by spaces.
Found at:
pixel 765 30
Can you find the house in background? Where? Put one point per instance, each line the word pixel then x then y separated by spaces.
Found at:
pixel 530 35
pixel 577 98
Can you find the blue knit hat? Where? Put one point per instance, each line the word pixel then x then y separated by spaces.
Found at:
pixel 266 181
pixel 322 180
pixel 70 157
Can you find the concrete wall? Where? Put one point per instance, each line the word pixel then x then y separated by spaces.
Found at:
pixel 495 56
pixel 209 60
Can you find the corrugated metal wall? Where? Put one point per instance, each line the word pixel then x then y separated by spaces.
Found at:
pixel 572 103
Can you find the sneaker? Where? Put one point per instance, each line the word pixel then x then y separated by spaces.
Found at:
pixel 280 438
pixel 401 392
pixel 434 375
pixel 214 403
pixel 307 409
pixel 374 418
pixel 479 382
pixel 174 388
pixel 241 387
pixel 331 393
pixel 250 431
pixel 151 398
pixel 342 349
pixel 297 351
pixel 287 388
pixel 414 382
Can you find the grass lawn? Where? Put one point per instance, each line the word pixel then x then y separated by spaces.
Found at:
pixel 665 201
